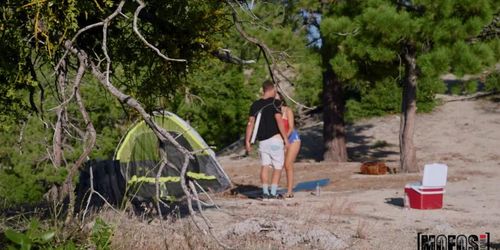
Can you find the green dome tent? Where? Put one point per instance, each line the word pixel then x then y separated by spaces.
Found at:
pixel 139 156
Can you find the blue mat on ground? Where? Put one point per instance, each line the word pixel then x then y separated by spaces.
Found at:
pixel 301 186
pixel 310 185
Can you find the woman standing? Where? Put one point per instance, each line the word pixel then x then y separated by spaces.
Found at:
pixel 294 143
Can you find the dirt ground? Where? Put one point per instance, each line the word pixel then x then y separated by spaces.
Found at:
pixel 365 212
pixel 354 211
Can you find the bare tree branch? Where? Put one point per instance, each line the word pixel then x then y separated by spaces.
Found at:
pixel 212 204
pixel 90 132
pixel 205 219
pixel 161 133
pixel 104 78
pixel 104 43
pixel 88 27
pixel 93 191
pixel 248 9
pixel 268 55
pixel 58 128
pixel 184 187
pixel 136 30
pixel 263 47
pixel 226 56
pixel 21 134
pixel 352 33
pixel 157 187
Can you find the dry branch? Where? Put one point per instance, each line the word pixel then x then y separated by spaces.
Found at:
pixel 268 56
pixel 90 133
pixel 205 219
pixel 58 128
pixel 226 56
pixel 138 33
pixel 104 78
pixel 93 191
pixel 88 27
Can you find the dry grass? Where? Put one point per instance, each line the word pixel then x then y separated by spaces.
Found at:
pixel 338 206
pixel 133 232
pixel 255 241
pixel 362 230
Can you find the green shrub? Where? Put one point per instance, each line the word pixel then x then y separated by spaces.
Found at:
pixel 101 234
pixel 385 98
pixel 427 88
pixel 25 184
pixel 456 88
pixel 34 237
pixel 463 87
pixel 470 87
pixel 25 169
pixel 492 82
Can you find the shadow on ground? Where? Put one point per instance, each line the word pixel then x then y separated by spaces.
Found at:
pixel 365 148
pixel 491 104
pixel 398 202
pixel 361 148
pixel 249 191
pixel 312 144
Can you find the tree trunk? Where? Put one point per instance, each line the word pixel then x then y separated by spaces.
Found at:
pixel 408 158
pixel 333 111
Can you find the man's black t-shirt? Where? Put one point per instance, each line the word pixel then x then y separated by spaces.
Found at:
pixel 268 126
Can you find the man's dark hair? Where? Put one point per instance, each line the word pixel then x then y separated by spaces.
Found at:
pixel 267 85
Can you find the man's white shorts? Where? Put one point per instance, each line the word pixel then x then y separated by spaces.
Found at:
pixel 272 152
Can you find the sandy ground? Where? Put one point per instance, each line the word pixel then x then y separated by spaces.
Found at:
pixel 365 212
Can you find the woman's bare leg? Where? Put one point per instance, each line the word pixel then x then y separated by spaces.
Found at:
pixel 290 156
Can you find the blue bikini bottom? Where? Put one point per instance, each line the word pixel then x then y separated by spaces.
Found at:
pixel 294 136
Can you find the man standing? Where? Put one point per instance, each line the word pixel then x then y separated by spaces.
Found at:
pixel 271 136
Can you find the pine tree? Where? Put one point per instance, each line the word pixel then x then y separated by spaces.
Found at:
pixel 377 39
pixel 423 39
pixel 431 38
pixel 331 20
